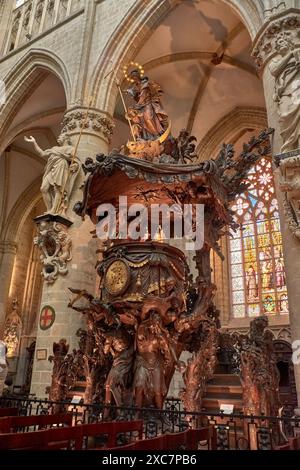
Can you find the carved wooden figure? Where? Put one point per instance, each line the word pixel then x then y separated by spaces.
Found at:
pixel 148 310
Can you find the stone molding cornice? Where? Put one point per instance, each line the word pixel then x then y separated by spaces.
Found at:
pixel 285 24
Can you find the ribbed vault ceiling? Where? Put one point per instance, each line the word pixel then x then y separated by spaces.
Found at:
pixel 179 55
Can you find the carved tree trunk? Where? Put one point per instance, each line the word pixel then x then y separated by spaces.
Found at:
pixel 88 393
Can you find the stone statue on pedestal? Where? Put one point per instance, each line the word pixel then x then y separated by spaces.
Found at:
pixel 285 67
pixel 61 171
pixel 12 331
pixel 3 365
pixel 149 119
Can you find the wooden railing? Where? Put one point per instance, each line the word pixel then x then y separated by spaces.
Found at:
pixel 230 431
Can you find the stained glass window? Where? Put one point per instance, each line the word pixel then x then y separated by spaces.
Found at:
pixel 258 281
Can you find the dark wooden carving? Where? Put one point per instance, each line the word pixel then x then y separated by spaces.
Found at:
pixel 199 369
pixel 57 390
pixel 149 309
pixel 287 386
pixel 259 374
pixel 29 368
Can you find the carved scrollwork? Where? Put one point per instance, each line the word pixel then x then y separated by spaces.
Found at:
pixel 56 247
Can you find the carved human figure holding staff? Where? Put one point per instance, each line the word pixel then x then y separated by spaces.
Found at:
pixel 61 171
pixel 147 115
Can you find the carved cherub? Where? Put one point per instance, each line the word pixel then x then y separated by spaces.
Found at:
pixel 186 145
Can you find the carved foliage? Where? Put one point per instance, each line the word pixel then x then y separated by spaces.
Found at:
pixel 266 45
pixel 93 122
pixel 233 170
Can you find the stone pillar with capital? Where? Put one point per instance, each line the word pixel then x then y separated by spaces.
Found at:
pixel 67 249
pixel 277 54
pixel 8 250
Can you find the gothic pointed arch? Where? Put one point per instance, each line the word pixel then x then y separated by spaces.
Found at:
pixel 21 209
pixel 239 119
pixel 25 76
pixel 136 27
pixel 257 272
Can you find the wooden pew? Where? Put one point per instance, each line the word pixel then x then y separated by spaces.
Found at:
pixel 188 439
pixel 131 446
pixel 172 441
pixel 36 440
pixel 155 443
pixel 74 437
pixel 194 436
pixel 23 423
pixel 8 412
pixel 286 446
pixel 69 438
pixel 294 443
pixel 111 430
pixel 175 441
pixel 166 442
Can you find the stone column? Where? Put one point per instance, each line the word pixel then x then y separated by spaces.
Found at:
pixel 276 51
pixel 6 14
pixel 8 252
pixel 96 130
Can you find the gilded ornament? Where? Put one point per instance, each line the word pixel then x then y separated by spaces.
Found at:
pixel 117 277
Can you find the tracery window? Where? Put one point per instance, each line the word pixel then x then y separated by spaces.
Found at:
pixel 258 282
